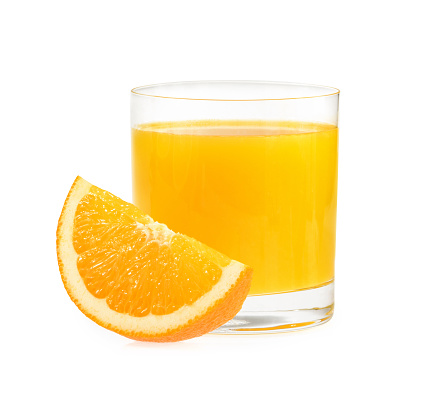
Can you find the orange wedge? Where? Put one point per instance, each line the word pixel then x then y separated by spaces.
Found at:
pixel 138 278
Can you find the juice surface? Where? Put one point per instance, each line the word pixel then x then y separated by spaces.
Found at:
pixel 263 193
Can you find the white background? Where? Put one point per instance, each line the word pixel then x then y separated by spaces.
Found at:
pixel 66 73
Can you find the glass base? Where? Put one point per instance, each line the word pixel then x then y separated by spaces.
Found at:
pixel 282 312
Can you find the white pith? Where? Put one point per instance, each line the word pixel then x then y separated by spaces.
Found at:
pixel 156 231
pixel 150 324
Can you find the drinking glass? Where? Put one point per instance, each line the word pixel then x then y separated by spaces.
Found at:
pixel 250 169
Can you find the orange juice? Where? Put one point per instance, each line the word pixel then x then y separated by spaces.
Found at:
pixel 263 193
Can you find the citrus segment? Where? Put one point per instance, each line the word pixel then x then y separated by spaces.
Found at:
pixel 137 277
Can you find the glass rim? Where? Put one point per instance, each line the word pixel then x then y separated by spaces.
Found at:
pixel 333 91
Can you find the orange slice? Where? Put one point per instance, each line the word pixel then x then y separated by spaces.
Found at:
pixel 138 278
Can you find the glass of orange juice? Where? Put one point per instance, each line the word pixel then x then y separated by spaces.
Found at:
pixel 250 169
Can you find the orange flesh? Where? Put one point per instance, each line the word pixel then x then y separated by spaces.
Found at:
pixel 127 264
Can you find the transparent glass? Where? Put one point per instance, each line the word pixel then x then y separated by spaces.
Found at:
pixel 250 169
